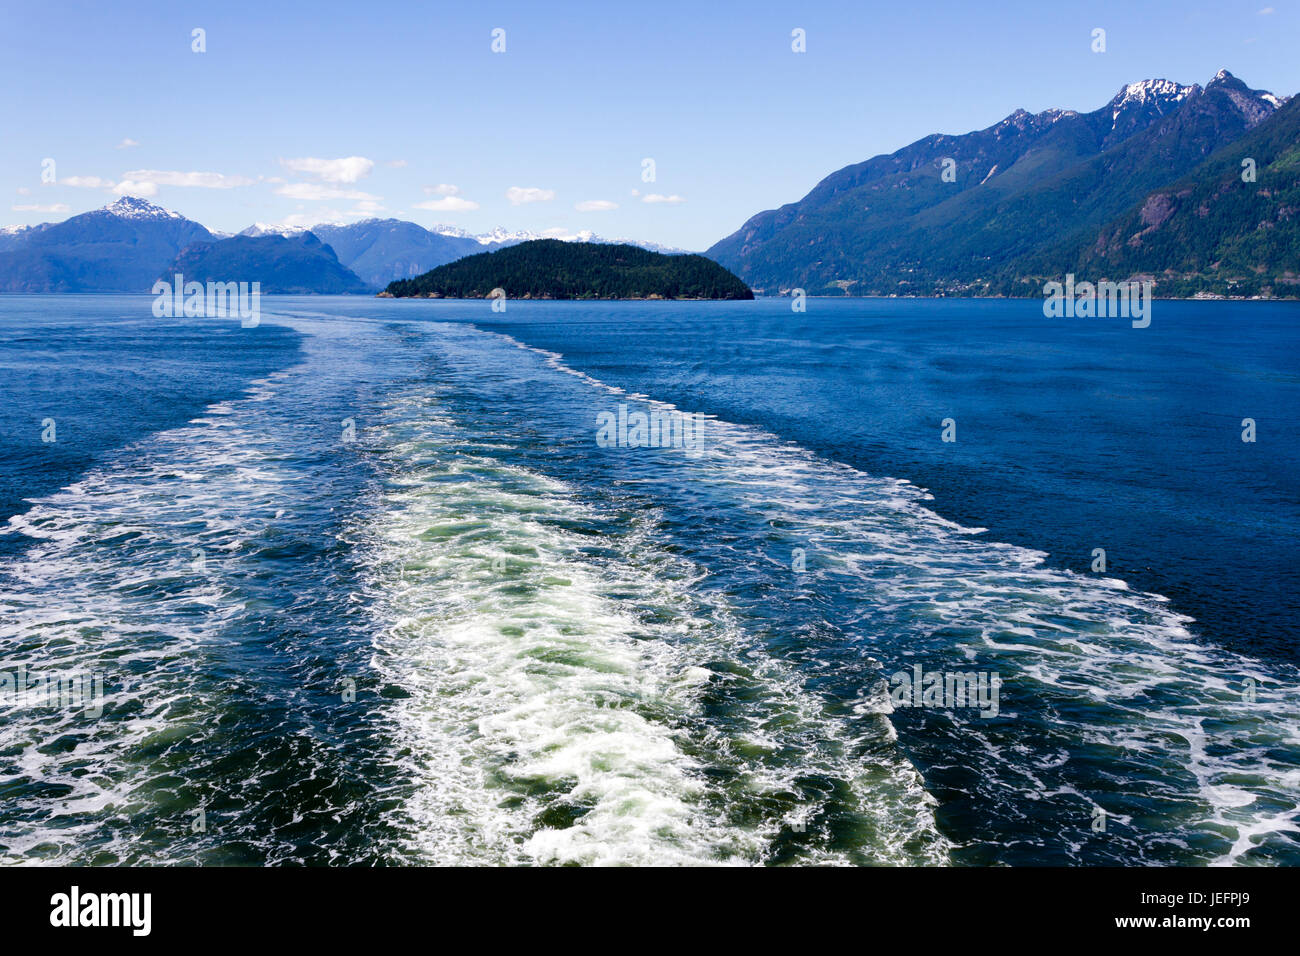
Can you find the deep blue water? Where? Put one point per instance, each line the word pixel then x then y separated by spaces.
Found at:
pixel 1070 435
pixel 563 652
pixel 107 375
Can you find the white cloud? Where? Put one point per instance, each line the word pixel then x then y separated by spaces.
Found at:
pixel 31 207
pixel 396 163
pixel 126 144
pixel 366 207
pixel 141 189
pixel 672 200
pixel 448 204
pixel 346 170
pixel 595 205
pixel 518 195
pixel 24 191
pixel 87 182
pixel 1266 11
pixel 442 189
pixel 315 191
pixel 166 177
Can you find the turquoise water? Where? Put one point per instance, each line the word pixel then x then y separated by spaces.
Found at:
pixel 364 586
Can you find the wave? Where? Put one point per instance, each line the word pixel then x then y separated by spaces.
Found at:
pixel 128 576
pixel 569 654
pixel 1111 703
pixel 557 673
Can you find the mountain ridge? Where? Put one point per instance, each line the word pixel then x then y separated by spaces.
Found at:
pixel 892 224
pixel 299 265
pixel 119 248
pixel 376 250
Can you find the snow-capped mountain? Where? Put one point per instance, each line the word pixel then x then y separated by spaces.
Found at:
pixel 501 236
pixel 1023 187
pixel 258 229
pixel 493 238
pixel 122 247
pixel 1255 105
pixel 134 208
pixel 381 250
pixel 650 246
pixel 11 236
pixel 497 236
pixel 1162 94
pixel 1137 105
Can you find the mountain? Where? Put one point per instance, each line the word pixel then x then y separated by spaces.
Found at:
pixel 120 248
pixel 381 250
pixel 270 229
pixel 895 225
pixel 553 269
pixel 290 265
pixel 1211 231
pixel 125 246
pixel 14 236
pixel 500 236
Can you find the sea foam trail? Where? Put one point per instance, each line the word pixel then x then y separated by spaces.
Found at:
pixel 585 655
pixel 544 695
pixel 554 690
pixel 1110 702
pixel 127 578
pixel 199 570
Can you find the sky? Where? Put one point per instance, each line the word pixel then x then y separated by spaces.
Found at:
pixel 298 113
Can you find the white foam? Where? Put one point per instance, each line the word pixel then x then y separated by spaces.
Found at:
pixel 1139 665
pixel 531 688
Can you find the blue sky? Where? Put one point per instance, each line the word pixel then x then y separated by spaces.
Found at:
pixel 303 112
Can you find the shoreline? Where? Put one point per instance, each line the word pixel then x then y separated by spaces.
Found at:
pixel 757 297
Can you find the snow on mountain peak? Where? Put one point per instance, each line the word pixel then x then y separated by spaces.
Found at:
pixel 132 207
pixel 1162 96
pixel 1149 91
pixel 1255 106
pixel 1165 95
pixel 500 235
pixel 272 229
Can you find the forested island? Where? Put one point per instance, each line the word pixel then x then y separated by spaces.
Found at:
pixel 553 269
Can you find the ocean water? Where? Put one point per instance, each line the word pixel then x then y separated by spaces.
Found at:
pixel 363 586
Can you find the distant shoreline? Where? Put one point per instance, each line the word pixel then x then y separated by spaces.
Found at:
pixel 577 298
pixel 757 297
pixel 1033 298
